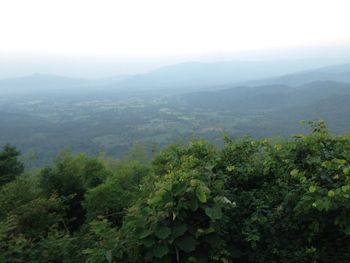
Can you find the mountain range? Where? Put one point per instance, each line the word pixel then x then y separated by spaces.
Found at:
pixel 184 77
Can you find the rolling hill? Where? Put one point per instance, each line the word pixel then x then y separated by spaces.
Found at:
pixel 340 73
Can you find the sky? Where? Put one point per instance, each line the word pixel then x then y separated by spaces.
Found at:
pixel 136 29
pixel 162 27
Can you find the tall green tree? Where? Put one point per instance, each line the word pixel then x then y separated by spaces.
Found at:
pixel 10 166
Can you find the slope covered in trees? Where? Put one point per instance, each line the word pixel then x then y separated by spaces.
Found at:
pixel 250 201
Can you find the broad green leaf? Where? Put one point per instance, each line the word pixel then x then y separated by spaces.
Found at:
pixel 331 193
pixel 145 233
pixel 207 231
pixel 294 172
pixel 324 205
pixel 230 168
pixel 156 199
pixel 214 213
pixel 109 256
pixel 162 232
pixel 179 230
pixel 186 243
pixel 209 167
pixel 148 241
pixel 193 204
pixel 345 188
pixel 312 189
pixel 195 182
pixel 202 197
pixel 160 250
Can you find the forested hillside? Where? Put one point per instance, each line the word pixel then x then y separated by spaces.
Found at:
pixel 275 109
pixel 250 201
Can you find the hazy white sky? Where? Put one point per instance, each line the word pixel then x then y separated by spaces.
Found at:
pixel 168 27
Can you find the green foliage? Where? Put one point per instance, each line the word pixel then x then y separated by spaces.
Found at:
pixel 10 166
pixel 34 218
pixel 69 178
pixel 73 174
pixel 110 199
pixel 58 246
pixel 291 198
pixel 26 227
pixel 102 243
pixel 182 219
pixel 15 194
pixel 252 201
pixel 107 200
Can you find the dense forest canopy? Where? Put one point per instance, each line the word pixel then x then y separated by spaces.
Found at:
pixel 251 201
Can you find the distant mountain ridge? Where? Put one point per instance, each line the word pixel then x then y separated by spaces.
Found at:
pixel 240 95
pixel 186 77
pixel 39 83
pixel 340 73
pixel 278 103
pixel 204 75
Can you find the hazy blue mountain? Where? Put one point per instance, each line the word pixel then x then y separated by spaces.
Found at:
pixel 204 75
pixel 339 73
pixel 182 77
pixel 39 83
pixel 245 98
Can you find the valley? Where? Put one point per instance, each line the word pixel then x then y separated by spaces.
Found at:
pixel 85 119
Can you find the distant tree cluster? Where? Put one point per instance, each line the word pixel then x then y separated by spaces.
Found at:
pixel 251 201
